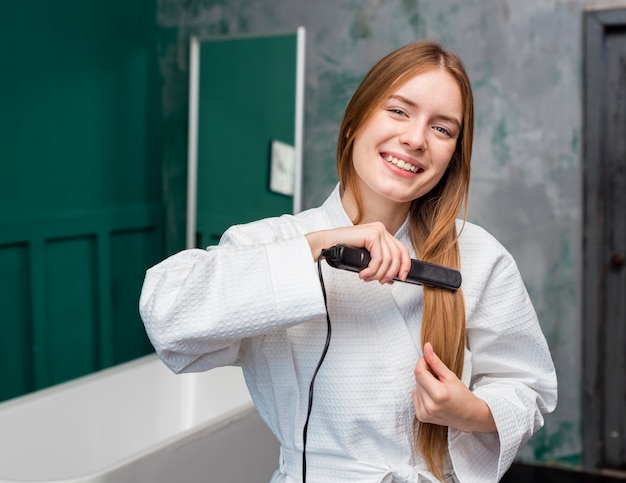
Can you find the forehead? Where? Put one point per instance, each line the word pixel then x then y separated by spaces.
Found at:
pixel 435 89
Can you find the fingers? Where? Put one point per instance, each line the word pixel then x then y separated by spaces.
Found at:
pixel 432 376
pixel 440 397
pixel 429 393
pixel 389 257
pixel 439 369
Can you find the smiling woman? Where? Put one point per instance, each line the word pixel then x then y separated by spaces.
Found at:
pixel 417 383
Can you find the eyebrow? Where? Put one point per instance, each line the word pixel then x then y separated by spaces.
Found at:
pixel 409 102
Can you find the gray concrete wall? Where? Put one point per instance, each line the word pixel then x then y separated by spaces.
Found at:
pixel 525 62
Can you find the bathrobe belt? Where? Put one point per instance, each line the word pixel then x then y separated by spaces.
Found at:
pixel 345 469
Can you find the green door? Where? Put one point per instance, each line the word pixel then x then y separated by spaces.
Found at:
pixel 247 89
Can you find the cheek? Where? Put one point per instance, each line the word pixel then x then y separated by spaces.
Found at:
pixel 441 164
pixel 360 153
pixel 444 158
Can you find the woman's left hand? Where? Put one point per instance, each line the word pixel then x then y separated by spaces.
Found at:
pixel 441 397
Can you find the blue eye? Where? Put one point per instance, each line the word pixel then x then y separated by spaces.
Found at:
pixel 443 130
pixel 399 112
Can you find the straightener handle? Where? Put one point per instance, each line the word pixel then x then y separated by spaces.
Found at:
pixel 421 273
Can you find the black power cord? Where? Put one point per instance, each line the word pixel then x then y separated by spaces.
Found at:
pixel 319 364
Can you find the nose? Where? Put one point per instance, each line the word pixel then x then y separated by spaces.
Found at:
pixel 414 137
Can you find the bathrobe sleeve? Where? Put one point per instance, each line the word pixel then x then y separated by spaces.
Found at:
pixel 199 305
pixel 512 369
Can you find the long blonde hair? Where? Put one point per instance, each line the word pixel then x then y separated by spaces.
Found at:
pixel 432 219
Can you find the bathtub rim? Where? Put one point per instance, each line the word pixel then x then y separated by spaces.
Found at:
pixel 198 431
pixel 40 393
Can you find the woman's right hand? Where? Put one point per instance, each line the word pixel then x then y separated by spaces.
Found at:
pixel 389 257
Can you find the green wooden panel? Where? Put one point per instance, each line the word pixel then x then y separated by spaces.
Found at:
pixel 44 299
pixel 72 308
pixel 15 343
pixel 80 153
pixel 247 92
pixel 131 253
pixel 78 80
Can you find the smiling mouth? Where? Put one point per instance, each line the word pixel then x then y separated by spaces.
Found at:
pixel 402 164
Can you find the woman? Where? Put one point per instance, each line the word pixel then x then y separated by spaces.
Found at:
pixel 417 383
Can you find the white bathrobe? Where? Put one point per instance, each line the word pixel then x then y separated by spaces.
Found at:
pixel 255 301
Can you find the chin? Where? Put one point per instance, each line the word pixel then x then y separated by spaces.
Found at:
pixel 399 199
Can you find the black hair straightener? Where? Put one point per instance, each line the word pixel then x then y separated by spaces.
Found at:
pixel 421 273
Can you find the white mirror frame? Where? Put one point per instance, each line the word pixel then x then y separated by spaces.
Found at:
pixel 192 155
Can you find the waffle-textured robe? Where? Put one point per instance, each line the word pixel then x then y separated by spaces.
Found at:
pixel 255 301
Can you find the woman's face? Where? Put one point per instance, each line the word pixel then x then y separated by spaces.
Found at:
pixel 404 149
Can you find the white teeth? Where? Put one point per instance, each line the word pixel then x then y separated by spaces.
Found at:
pixel 401 164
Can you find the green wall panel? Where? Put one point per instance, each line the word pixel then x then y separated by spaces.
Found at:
pixel 72 310
pixel 131 253
pixel 15 341
pixel 77 84
pixel 80 164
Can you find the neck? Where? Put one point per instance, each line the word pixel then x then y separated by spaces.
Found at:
pixel 389 213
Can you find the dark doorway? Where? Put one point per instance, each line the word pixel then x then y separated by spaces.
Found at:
pixel 520 473
pixel 604 235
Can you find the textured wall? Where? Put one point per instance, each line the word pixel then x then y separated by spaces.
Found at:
pixel 525 63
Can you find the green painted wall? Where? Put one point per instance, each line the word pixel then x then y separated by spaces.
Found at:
pixel 80 216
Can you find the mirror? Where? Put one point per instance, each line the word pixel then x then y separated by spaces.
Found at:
pixel 246 109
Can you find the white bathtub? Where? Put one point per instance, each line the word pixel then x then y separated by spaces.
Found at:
pixel 135 423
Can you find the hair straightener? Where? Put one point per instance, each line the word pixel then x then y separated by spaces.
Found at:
pixel 421 273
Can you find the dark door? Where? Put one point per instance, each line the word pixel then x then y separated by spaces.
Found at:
pixel 604 271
